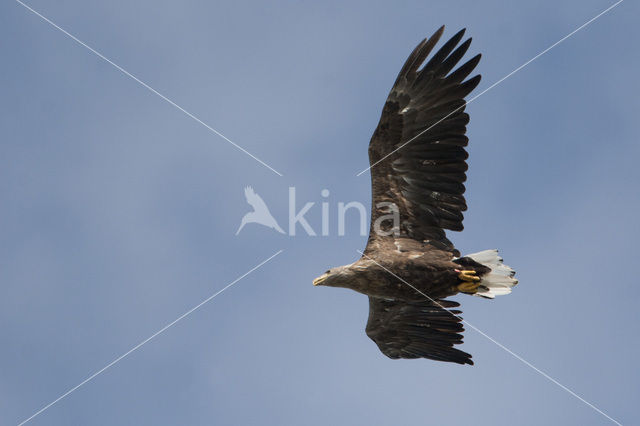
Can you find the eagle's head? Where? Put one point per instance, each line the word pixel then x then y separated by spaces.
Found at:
pixel 341 276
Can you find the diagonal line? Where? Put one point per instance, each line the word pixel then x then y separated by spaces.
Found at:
pixel 515 355
pixel 493 85
pixel 136 347
pixel 145 85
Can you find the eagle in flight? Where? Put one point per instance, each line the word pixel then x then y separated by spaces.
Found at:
pixel 418 163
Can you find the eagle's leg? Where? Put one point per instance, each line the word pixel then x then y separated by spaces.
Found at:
pixel 468 275
pixel 470 281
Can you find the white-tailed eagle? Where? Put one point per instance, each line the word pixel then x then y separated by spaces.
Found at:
pixel 418 166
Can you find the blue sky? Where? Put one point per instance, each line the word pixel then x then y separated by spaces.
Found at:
pixel 118 213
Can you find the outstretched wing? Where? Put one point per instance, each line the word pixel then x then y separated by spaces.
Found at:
pixel 417 330
pixel 417 153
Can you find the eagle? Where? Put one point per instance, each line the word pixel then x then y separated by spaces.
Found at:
pixel 418 168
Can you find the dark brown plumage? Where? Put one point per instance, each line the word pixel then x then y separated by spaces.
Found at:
pixel 418 167
pixel 425 177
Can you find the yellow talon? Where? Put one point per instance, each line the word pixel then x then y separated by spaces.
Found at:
pixel 468 276
pixel 468 287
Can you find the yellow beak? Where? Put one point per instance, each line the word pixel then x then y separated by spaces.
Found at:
pixel 320 279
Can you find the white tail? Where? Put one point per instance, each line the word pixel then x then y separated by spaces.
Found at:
pixel 497 282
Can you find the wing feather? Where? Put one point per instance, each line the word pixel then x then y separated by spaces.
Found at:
pixel 417 330
pixel 417 152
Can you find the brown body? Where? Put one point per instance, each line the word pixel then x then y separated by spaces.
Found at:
pixel 385 271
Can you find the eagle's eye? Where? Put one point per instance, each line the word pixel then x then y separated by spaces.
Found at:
pixel 328 271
